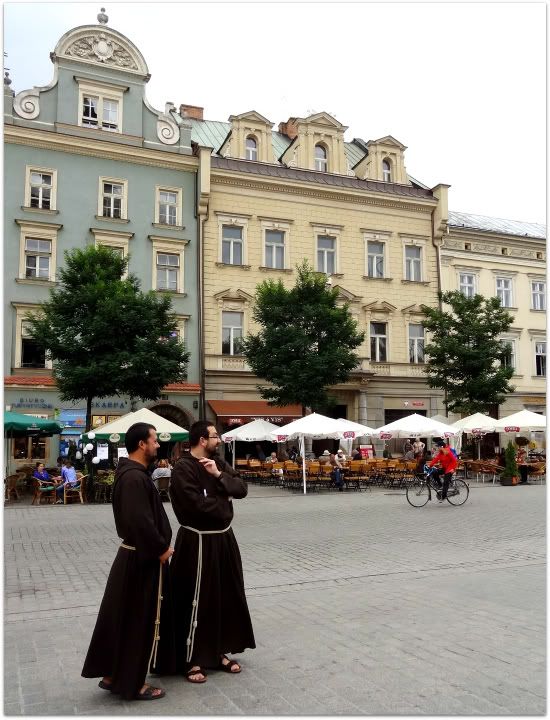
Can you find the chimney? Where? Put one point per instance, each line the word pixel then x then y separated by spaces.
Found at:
pixel 191 111
pixel 290 128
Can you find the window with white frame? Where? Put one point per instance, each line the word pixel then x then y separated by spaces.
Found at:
pixel 275 249
pixel 251 148
pixel 100 112
pixel 112 199
pixel 168 207
pixel 38 255
pixel 168 264
pixel 168 267
pixel 40 190
pixel 467 284
pixel 504 291
pixel 386 170
pixel 540 358
pixel 32 356
pixel 326 254
pixel 375 259
pixel 232 332
pixel 538 295
pixel 413 263
pixel 37 251
pixel 378 342
pixel 510 346
pixel 416 343
pixel 232 245
pixel 321 160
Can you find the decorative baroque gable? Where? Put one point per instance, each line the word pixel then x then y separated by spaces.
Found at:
pixel 103 46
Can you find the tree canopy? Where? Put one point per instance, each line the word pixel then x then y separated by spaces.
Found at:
pixel 466 356
pixel 305 343
pixel 104 335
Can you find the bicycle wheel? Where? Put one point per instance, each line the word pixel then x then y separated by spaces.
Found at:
pixel 418 493
pixel 462 492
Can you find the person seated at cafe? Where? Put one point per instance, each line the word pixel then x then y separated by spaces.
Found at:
pixel 293 453
pixel 272 458
pixel 324 457
pixel 68 477
pixel 340 455
pixel 163 470
pixel 260 453
pixel 356 454
pixel 43 476
pixel 336 473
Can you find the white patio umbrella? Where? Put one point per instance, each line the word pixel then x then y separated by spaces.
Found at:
pixel 441 419
pixel 254 431
pixel 316 427
pixel 522 421
pixel 415 425
pixel 477 424
pixel 357 428
pixel 116 430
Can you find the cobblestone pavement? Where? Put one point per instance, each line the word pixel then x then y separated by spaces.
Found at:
pixel 361 605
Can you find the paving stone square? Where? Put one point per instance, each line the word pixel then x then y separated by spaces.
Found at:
pixel 361 605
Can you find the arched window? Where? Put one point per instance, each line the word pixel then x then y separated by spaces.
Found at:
pixel 251 148
pixel 386 171
pixel 321 162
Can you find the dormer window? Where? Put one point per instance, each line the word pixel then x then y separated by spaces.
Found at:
pixel 386 171
pixel 100 106
pixel 251 148
pixel 321 162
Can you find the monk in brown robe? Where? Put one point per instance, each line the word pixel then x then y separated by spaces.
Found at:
pixel 136 602
pixel 211 612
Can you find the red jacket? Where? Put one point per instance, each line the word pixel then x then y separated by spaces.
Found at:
pixel 448 461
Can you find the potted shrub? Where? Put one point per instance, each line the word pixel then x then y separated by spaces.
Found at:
pixel 509 475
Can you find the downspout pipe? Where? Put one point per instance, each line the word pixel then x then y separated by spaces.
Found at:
pixel 202 189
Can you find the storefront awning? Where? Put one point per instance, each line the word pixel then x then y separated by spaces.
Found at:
pixel 238 412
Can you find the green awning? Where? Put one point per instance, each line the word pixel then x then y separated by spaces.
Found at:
pixel 18 424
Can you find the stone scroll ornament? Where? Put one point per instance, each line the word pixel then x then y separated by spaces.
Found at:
pixel 101 48
pixel 26 104
pixel 167 130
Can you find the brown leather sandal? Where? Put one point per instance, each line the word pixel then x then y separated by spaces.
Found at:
pixel 147 694
pixel 230 665
pixel 198 671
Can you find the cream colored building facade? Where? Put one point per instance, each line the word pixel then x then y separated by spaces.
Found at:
pixel 505 258
pixel 351 210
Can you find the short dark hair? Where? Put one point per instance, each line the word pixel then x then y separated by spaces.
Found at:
pixel 199 430
pixel 441 443
pixel 39 463
pixel 136 433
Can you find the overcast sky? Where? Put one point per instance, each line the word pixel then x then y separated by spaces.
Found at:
pixel 462 85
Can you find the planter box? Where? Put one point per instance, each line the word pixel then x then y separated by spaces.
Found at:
pixel 508 480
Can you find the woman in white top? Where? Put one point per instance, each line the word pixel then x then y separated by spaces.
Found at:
pixel 163 470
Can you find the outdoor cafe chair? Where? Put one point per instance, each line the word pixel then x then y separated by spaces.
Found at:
pixel 10 487
pixel 537 470
pixel 43 489
pixel 69 493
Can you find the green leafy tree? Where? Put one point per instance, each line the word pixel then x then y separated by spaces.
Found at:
pixel 305 343
pixel 465 356
pixel 104 335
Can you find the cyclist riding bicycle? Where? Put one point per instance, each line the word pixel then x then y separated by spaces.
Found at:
pixel 449 463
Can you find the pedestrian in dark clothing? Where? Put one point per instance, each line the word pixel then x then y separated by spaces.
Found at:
pixel 212 616
pixel 136 602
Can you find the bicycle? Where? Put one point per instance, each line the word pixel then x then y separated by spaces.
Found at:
pixel 419 490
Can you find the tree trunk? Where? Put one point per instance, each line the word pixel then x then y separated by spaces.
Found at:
pixel 89 413
pixel 132 404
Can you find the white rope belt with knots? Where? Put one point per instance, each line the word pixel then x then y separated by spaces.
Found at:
pixel 156 635
pixel 195 610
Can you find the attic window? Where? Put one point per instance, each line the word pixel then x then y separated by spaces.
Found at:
pixel 467 246
pixel 251 148
pixel 386 171
pixel 321 162
pixel 540 256
pixel 504 251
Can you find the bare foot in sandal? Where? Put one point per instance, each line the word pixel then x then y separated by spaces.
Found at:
pixel 148 692
pixel 196 674
pixel 228 665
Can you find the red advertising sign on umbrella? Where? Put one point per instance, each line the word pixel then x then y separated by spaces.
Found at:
pixel 511 428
